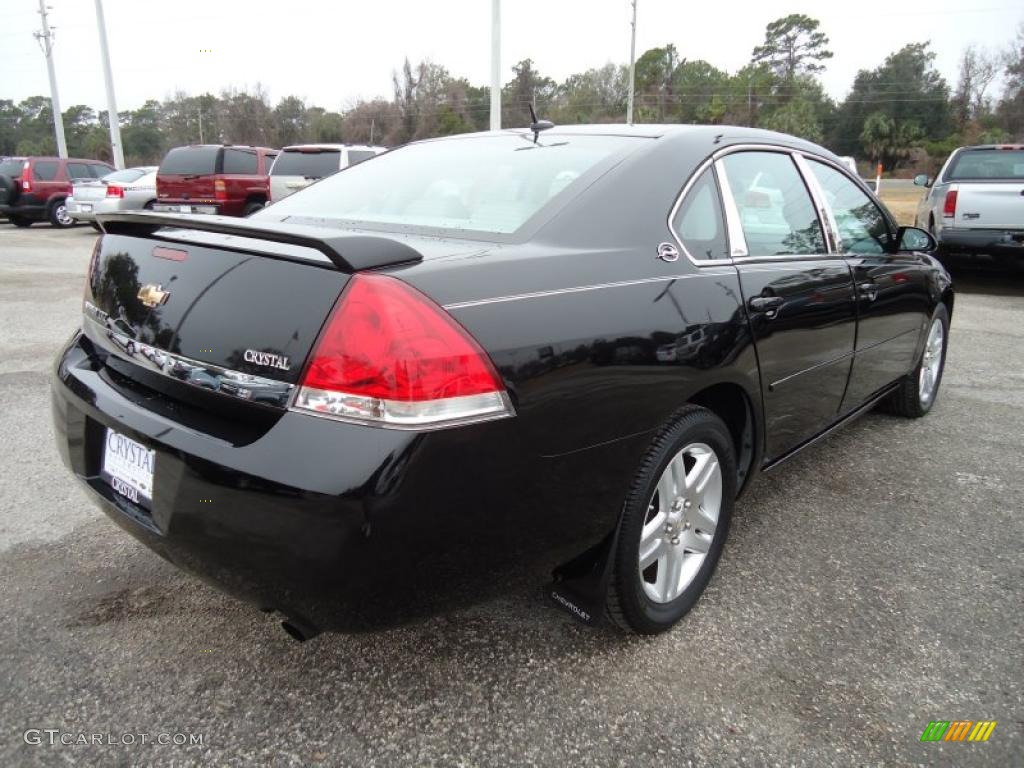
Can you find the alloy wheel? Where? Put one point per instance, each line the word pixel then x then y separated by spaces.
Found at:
pixel 931 362
pixel 681 520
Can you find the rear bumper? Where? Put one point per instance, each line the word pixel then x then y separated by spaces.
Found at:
pixel 86 210
pixel 996 242
pixel 337 525
pixel 186 206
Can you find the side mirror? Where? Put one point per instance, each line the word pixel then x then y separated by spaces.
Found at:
pixel 922 180
pixel 910 239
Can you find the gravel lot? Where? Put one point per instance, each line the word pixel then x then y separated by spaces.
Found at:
pixel 871 585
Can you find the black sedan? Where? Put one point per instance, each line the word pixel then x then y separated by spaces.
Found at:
pixel 474 362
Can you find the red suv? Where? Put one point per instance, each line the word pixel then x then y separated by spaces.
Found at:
pixel 35 188
pixel 211 178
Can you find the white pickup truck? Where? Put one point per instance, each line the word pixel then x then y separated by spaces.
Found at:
pixel 975 206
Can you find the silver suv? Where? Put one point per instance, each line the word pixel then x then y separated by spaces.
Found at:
pixel 299 166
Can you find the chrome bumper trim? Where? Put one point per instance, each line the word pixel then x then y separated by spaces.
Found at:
pixel 212 378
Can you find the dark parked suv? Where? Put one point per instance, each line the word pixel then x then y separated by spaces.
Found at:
pixel 211 178
pixel 35 188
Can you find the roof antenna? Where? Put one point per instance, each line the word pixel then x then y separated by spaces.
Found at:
pixel 538 125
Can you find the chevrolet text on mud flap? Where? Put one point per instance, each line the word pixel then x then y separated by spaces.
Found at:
pixel 267 359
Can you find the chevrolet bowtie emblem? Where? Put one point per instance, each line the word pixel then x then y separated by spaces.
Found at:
pixel 153 295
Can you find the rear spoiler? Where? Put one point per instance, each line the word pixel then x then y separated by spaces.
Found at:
pixel 348 252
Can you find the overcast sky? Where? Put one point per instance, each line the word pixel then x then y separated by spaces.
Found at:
pixel 332 53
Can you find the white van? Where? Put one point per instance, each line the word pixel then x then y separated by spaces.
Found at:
pixel 299 166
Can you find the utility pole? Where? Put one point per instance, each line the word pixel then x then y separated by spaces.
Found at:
pixel 495 65
pixel 632 67
pixel 46 40
pixel 200 112
pixel 112 118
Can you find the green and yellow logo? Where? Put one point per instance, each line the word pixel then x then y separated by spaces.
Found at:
pixel 958 730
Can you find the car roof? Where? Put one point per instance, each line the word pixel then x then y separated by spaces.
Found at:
pixel 674 132
pixel 220 146
pixel 339 147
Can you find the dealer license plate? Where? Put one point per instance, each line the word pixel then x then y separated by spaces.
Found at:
pixel 128 467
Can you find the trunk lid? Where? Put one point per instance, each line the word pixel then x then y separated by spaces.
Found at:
pixel 231 309
pixel 89 190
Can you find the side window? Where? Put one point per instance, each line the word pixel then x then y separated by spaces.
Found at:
pixel 99 170
pixel 699 223
pixel 240 161
pixel 79 171
pixel 44 170
pixel 356 156
pixel 775 208
pixel 862 227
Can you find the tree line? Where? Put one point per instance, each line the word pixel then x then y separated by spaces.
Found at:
pixel 901 113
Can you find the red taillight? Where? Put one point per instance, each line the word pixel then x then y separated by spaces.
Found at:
pixel 949 207
pixel 220 189
pixel 115 191
pixel 390 356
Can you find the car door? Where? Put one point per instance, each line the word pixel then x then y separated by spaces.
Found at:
pixel 892 289
pixel 799 296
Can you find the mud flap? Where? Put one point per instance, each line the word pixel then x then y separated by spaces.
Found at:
pixel 580 586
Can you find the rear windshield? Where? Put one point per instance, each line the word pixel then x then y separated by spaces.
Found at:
pixel 478 184
pixel 999 164
pixel 12 167
pixel 187 161
pixel 126 176
pixel 312 164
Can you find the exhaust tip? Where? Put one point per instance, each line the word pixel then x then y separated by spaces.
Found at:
pixel 298 631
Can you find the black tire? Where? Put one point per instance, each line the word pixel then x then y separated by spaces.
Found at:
pixel 95 226
pixel 906 399
pixel 149 206
pixel 628 604
pixel 58 216
pixel 20 221
pixel 252 207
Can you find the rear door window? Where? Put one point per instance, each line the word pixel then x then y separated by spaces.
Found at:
pixel 190 161
pixel 241 161
pixel 12 168
pixel 44 170
pixel 775 208
pixel 699 223
pixel 99 170
pixel 862 227
pixel 313 164
pixel 79 171
pixel 356 156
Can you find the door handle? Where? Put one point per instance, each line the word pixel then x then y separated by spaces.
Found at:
pixel 768 305
pixel 868 290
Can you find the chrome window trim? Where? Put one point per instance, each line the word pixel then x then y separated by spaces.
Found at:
pixel 844 171
pixel 734 226
pixel 162 362
pixel 733 211
pixel 694 178
pixel 833 242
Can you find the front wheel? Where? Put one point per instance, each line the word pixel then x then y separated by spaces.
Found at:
pixel 20 221
pixel 916 394
pixel 674 523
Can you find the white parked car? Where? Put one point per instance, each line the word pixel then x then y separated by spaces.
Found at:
pixel 299 166
pixel 129 190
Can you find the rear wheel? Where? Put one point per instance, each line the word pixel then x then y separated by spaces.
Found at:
pixel 252 207
pixel 916 394
pixel 20 221
pixel 59 216
pixel 674 523
pixel 95 226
